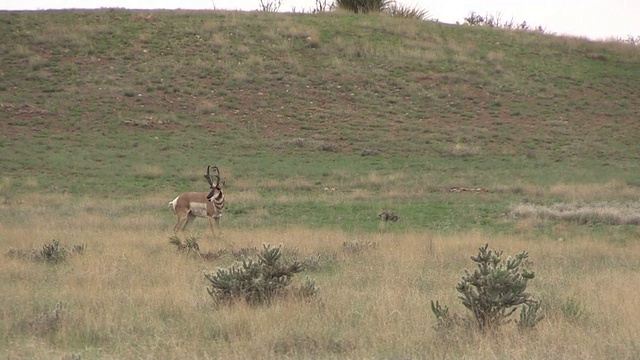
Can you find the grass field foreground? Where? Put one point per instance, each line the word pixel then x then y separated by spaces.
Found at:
pixel 131 294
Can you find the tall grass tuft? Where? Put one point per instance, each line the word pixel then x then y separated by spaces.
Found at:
pixel 406 11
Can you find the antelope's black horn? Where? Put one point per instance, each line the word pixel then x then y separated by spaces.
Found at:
pixel 208 176
pixel 217 175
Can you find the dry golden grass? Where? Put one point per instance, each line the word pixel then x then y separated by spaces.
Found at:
pixel 495 56
pixel 149 171
pixel 612 213
pixel 132 295
pixel 588 192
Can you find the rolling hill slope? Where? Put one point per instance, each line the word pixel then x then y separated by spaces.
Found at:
pixel 135 101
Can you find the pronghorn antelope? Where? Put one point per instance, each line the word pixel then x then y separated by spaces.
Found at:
pixel 190 205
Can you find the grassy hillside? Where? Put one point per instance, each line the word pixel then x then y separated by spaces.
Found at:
pixel 388 112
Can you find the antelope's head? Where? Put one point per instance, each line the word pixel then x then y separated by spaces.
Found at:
pixel 217 187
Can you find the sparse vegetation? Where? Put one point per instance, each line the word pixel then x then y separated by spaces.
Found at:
pixel 490 20
pixel 366 298
pixel 50 253
pixel 270 5
pixel 322 6
pixel 633 40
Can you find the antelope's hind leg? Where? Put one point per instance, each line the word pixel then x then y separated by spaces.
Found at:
pixel 188 221
pixel 180 224
pixel 183 221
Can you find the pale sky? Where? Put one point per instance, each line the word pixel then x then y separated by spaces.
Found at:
pixel 595 19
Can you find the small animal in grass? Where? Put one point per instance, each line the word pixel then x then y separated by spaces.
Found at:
pixel 388 216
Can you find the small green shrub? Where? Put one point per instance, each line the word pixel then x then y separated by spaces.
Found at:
pixel 79 248
pixel 53 252
pixel 493 292
pixel 495 289
pixel 308 288
pixel 529 315
pixel 573 310
pixel 257 281
pixel 189 245
pixel 444 320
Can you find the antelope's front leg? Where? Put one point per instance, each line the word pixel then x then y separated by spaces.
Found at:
pixel 212 225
